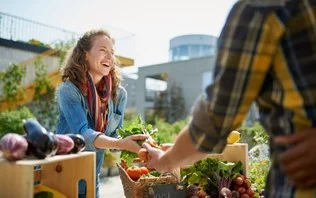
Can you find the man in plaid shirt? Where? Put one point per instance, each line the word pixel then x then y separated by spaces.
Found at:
pixel 267 54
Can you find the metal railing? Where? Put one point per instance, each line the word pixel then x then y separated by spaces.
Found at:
pixel 20 29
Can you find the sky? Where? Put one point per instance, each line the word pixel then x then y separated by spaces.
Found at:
pixel 145 26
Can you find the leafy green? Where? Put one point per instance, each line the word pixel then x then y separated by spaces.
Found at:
pixel 212 174
pixel 136 127
pixel 151 174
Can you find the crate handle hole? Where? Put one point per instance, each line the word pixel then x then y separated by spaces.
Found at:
pixel 82 188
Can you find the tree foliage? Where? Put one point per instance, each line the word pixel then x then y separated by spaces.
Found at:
pixel 12 121
pixel 170 105
pixel 11 79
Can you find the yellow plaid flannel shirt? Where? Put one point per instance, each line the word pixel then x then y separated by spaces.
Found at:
pixel 267 54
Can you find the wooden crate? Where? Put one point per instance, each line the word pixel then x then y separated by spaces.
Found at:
pixel 233 153
pixel 60 172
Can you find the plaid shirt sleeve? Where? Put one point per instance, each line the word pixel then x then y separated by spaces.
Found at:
pixel 245 50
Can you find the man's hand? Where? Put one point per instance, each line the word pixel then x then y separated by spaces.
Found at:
pixel 166 146
pixel 299 161
pixel 155 155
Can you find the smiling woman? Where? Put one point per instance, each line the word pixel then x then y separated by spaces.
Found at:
pixel 91 100
pixel 100 58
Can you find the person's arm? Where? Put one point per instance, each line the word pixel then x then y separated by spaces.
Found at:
pixel 69 100
pixel 183 152
pixel 71 105
pixel 128 143
pixel 245 51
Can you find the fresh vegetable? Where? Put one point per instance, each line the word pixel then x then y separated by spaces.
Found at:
pixel 32 127
pixel 134 173
pixel 79 142
pixel 192 190
pixel 144 170
pixel 13 146
pixel 201 194
pixel 235 194
pixel 41 143
pixel 152 174
pixel 239 181
pixel 247 183
pixel 138 127
pixel 65 144
pixel 225 193
pixel 242 185
pixel 212 175
pixel 143 154
pixel 245 195
pixel 52 144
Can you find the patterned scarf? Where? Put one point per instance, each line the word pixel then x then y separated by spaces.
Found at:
pixel 97 101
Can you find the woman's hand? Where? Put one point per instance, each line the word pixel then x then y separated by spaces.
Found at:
pixel 129 143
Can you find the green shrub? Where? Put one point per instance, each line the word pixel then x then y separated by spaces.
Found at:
pixel 167 132
pixel 130 114
pixel 12 121
pixel 253 135
pixel 258 172
pixel 110 159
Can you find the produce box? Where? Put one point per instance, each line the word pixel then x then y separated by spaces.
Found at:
pixel 234 153
pixel 219 175
pixel 60 172
pixel 168 186
pixel 139 188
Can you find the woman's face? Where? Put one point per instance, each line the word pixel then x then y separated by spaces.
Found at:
pixel 100 58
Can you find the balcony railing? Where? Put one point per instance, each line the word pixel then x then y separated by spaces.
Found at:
pixel 20 29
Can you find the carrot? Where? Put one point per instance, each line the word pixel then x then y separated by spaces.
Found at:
pixel 143 154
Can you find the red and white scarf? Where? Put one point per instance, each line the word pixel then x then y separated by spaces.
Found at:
pixel 98 97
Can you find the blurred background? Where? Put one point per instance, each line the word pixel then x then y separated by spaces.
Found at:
pixel 167 51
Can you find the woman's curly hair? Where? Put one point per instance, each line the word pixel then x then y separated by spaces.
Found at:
pixel 76 66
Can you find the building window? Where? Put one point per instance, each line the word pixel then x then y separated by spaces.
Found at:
pixel 175 54
pixel 206 50
pixel 154 86
pixel 184 52
pixel 195 51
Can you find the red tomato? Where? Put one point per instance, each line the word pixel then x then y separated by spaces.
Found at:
pixel 144 170
pixel 134 173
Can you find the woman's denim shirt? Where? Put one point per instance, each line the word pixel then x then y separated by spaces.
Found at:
pixel 74 117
